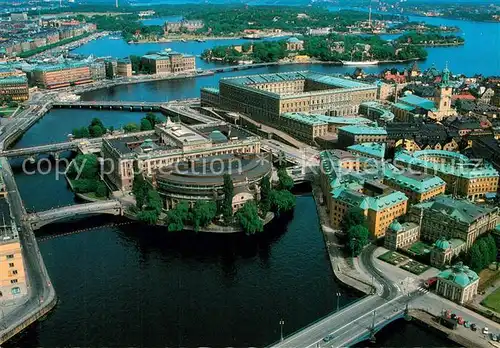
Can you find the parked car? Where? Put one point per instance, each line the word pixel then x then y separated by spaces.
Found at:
pixel 460 321
pixel 453 316
pixel 467 324
pixel 493 337
pixel 473 327
pixel 486 331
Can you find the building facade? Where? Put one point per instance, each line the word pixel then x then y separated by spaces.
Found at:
pixel 265 97
pixel 443 251
pixel 124 67
pixel 168 62
pixel 61 75
pixel 170 143
pixel 401 236
pixel 457 283
pixel 14 87
pixel 350 135
pixel 463 177
pixel 452 218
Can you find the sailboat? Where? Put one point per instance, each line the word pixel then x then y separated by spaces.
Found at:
pixel 359 63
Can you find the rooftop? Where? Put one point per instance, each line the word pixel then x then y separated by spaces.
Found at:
pixel 458 209
pixel 371 149
pixel 459 274
pixel 163 55
pixel 414 181
pixel 308 118
pixel 364 130
pixel 415 100
pixel 8 229
pixel 13 80
pixel 60 66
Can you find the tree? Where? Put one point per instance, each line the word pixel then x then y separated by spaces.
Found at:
pixel 248 217
pixel 130 127
pixel 146 125
pixel 477 260
pixel 96 131
pixel 140 190
pixel 153 201
pixel 492 246
pixel 285 180
pixel 227 202
pixel 357 237
pixel 101 189
pixel 177 217
pixel 148 216
pixel 281 201
pixel 265 191
pixel 152 118
pixel 82 132
pixel 84 167
pixel 353 217
pixel 203 213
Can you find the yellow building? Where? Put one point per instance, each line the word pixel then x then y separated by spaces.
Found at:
pixel 124 67
pixel 347 183
pixel 401 236
pixel 14 87
pixel 12 273
pixel 168 62
pixel 463 177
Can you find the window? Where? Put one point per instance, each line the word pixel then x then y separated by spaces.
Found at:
pixel 14 272
pixel 10 256
pixel 13 281
pixel 11 264
pixel 15 291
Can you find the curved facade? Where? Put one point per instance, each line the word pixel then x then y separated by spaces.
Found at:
pixel 465 177
pixel 203 179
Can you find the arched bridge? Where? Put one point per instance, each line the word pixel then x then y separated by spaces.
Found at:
pixel 40 219
pixel 51 149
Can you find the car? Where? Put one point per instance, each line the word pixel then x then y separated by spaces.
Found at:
pixel 328 338
pixel 453 316
pixel 473 327
pixel 460 320
pixel 493 337
pixel 485 330
pixel 467 324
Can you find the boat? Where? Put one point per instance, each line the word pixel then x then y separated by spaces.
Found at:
pixel 252 37
pixel 200 40
pixel 360 63
pixel 183 40
pixel 115 38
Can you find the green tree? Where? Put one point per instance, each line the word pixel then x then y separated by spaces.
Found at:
pixel 152 118
pixel 492 246
pixel 265 191
pixel 148 216
pixel 203 213
pixel 357 238
pixel 82 132
pixel 353 217
pixel 140 190
pixel 146 125
pixel 101 189
pixel 476 258
pixel 285 180
pixel 130 127
pixel 84 167
pixel 177 216
pixel 281 201
pixel 97 131
pixel 227 202
pixel 248 217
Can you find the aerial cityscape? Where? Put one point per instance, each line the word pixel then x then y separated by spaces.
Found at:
pixel 264 173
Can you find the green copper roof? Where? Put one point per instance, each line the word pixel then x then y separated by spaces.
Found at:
pixel 9 80
pixel 459 165
pixel 212 90
pixel 459 274
pixel 404 106
pixel 442 244
pixel 62 66
pixel 415 182
pixel 457 209
pixel 376 150
pixel 308 118
pixel 415 100
pixel 395 226
pixel 363 130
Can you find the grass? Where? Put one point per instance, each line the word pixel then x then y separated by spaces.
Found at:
pixel 93 196
pixel 392 257
pixel 6 111
pixel 419 248
pixel 487 277
pixel 415 267
pixel 492 301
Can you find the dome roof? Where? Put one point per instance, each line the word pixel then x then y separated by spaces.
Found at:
pixel 217 136
pixel 293 39
pixel 459 274
pixel 442 244
pixel 395 226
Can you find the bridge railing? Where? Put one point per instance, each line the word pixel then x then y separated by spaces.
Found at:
pixel 341 309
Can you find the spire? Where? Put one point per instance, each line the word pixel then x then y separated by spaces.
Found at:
pixel 445 80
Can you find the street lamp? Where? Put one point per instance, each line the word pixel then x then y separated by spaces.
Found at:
pixel 338 299
pixel 282 322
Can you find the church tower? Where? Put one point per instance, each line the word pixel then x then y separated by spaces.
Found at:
pixel 443 96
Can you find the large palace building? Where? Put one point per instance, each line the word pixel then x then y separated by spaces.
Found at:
pixel 170 143
pixel 168 62
pixel 61 75
pixel 267 96
pixel 463 176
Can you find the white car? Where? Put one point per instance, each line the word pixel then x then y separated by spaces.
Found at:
pixel 485 331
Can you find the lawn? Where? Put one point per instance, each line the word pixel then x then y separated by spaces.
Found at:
pixel 415 267
pixel 493 301
pixel 6 112
pixel 419 248
pixel 393 258
pixel 487 277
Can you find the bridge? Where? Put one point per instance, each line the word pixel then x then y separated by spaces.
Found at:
pixel 40 219
pixel 120 105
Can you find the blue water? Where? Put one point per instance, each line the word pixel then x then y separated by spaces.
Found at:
pixel 161 20
pixel 118 48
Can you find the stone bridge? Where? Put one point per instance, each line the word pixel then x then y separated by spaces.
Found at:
pixel 40 219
